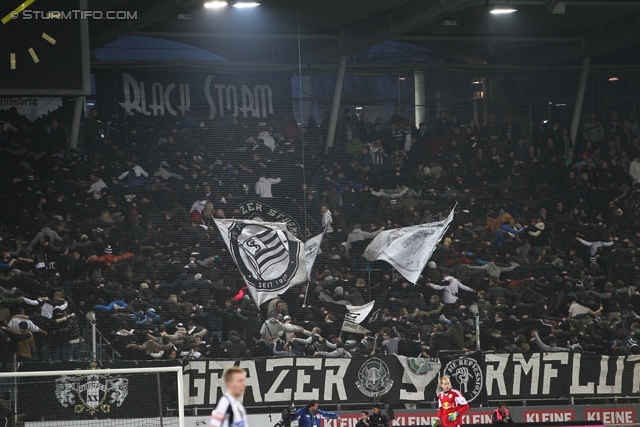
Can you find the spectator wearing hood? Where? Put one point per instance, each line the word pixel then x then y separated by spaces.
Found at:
pixel 273 329
pixel 263 186
pixel 358 235
pixel 236 348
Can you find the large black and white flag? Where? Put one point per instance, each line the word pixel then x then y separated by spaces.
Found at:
pixel 408 249
pixel 311 250
pixel 355 316
pixel 269 257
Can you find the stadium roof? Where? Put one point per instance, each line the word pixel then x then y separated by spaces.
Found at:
pixel 542 33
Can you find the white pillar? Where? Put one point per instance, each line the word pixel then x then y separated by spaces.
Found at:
pixel 577 109
pixel 77 118
pixel 337 95
pixel 485 89
pixel 420 97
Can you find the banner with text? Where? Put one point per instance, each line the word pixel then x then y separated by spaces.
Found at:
pixel 484 379
pixel 208 95
pixel 481 378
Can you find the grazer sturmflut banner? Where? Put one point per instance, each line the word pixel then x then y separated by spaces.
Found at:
pixel 208 95
pixel 358 380
pixel 277 382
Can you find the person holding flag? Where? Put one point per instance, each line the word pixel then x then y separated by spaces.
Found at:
pixel 451 405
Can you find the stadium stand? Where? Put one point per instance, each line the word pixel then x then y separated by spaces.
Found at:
pixel 544 238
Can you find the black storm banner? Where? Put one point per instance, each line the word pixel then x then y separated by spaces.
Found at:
pixel 208 95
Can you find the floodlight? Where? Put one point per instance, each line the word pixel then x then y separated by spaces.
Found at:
pixel 502 11
pixel 243 4
pixel 215 4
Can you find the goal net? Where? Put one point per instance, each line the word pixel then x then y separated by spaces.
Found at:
pixel 94 397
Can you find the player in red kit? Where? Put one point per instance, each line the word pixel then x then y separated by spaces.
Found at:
pixel 451 406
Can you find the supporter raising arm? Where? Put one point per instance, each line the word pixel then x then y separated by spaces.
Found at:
pixel 263 186
pixel 451 287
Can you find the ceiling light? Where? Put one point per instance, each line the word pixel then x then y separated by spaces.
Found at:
pixel 215 4
pixel 502 11
pixel 476 82
pixel 246 4
pixel 401 79
pixel 613 79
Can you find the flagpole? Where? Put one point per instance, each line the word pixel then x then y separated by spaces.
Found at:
pixel 324 232
pixel 306 293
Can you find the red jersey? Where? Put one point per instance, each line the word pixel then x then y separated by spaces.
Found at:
pixel 449 402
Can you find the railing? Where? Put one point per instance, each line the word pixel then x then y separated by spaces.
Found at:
pixel 100 348
pixel 103 346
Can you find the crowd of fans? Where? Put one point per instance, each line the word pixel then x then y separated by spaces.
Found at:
pixel 542 248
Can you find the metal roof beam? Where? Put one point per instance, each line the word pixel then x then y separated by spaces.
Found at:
pixel 556 7
pixel 373 69
pixel 597 41
pixel 333 37
pixel 396 22
pixel 494 39
pixel 234 36
pixel 148 13
pixel 601 3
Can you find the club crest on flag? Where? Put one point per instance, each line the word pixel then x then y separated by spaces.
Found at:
pixel 268 256
pixel 420 371
pixel 265 256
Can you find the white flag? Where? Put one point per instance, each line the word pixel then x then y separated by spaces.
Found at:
pixel 419 370
pixel 355 316
pixel 408 249
pixel 269 257
pixel 311 251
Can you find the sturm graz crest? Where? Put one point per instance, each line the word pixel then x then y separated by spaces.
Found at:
pixel 468 374
pixel 374 378
pixel 92 393
pixel 265 256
